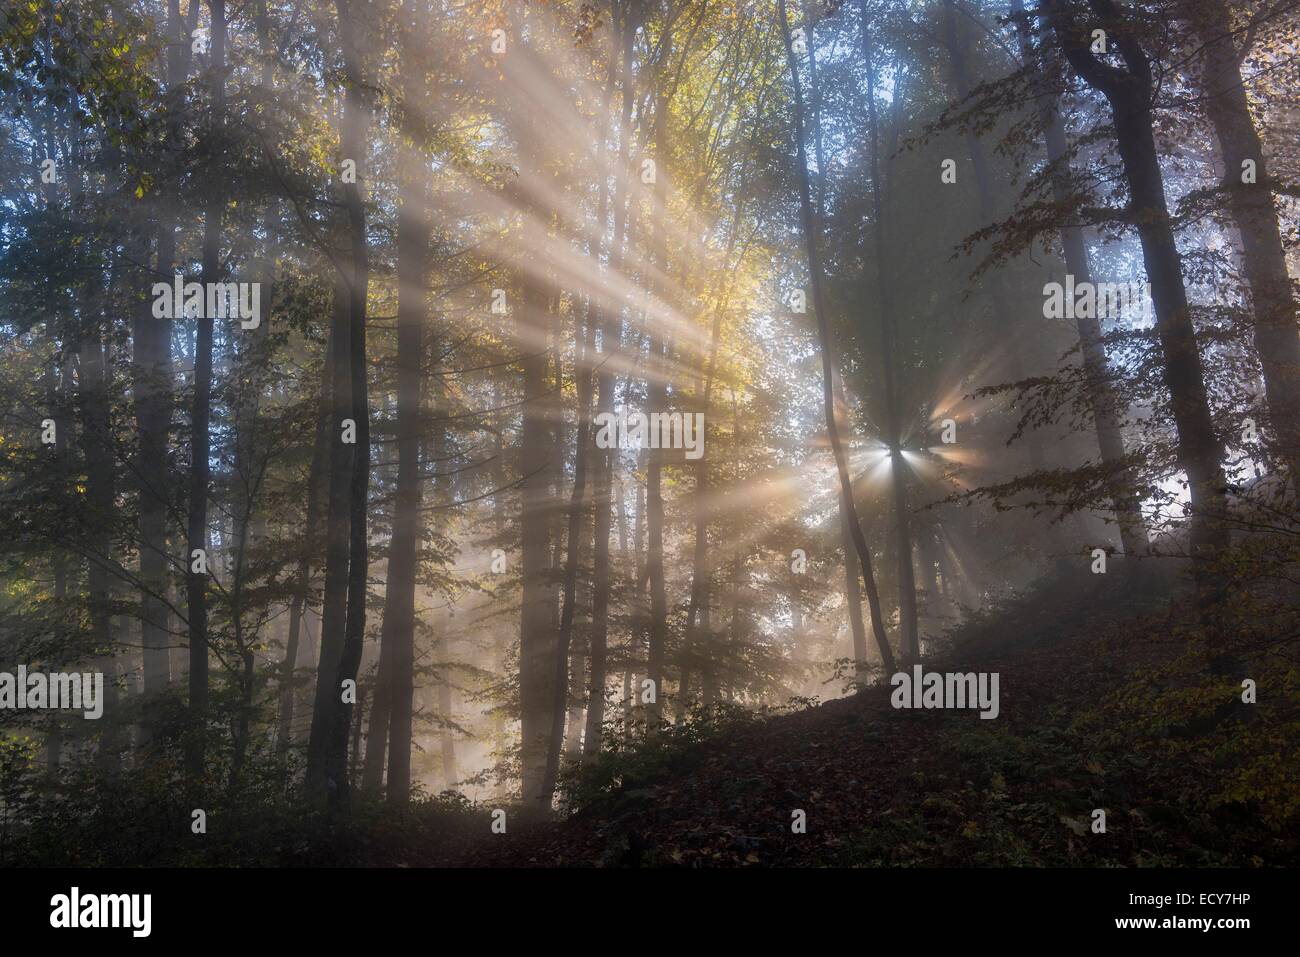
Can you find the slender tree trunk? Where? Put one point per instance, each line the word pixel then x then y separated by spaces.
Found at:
pixel 447 740
pixel 823 333
pixel 1101 393
pixel 583 457
pixel 248 524
pixel 57 397
pixel 298 605
pixel 352 141
pixel 443 493
pixel 93 396
pixel 247 661
pixel 655 401
pixel 852 590
pixel 334 603
pixel 640 611
pixel 393 702
pixel 603 460
pixel 574 537
pixel 153 389
pixel 909 639
pixel 657 367
pixel 200 468
pixel 537 637
pixel 358 718
pixel 737 571
pixel 698 618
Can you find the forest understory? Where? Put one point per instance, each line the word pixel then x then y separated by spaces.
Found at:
pixel 1106 710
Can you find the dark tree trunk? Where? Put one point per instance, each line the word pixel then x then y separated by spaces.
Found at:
pixel 153 389
pixel 447 740
pixel 537 636
pixel 574 537
pixel 1200 451
pixel 603 459
pixel 249 526
pixel 909 639
pixel 585 456
pixel 352 141
pixel 392 708
pixel 1102 398
pixel 655 401
pixel 852 590
pixel 96 428
pixel 444 494
pixel 657 367
pixel 1251 205
pixel 201 417
pixel 335 600
pixel 298 605
pixel 823 333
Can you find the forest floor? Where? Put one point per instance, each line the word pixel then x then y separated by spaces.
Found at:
pixel 886 787
pixel 1104 703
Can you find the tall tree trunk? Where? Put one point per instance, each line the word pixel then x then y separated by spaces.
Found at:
pixel 537 637
pixel 585 458
pixel 699 622
pixel 444 494
pixel 335 600
pixel 1102 398
pixel 358 718
pixel 1251 205
pixel 574 537
pixel 57 397
pixel 94 401
pixel 201 417
pixel 568 684
pixel 390 715
pixel 243 645
pixel 823 334
pixel 655 400
pixel 447 740
pixel 1200 451
pixel 352 141
pixel 909 639
pixel 657 366
pixel 153 390
pixel 852 590
pixel 340 616
pixel 738 559
pixel 298 604
pixel 249 525
pixel 603 459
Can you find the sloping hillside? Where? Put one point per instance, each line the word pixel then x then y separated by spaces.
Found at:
pixel 880 786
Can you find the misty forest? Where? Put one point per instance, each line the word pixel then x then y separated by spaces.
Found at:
pixel 696 433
